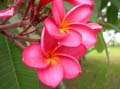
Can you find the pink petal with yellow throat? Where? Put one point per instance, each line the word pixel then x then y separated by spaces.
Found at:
pixel 33 57
pixel 53 30
pixel 72 40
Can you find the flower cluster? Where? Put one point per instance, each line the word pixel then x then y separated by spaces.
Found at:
pixel 65 38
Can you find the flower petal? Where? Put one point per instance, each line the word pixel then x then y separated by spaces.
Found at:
pixel 58 10
pixel 71 66
pixel 95 27
pixel 48 43
pixel 53 29
pixel 51 76
pixel 76 52
pixel 72 40
pixel 33 57
pixel 7 12
pixel 79 13
pixel 88 36
pixel 76 2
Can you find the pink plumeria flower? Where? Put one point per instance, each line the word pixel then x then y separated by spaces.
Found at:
pixel 70 29
pixel 76 2
pixel 7 12
pixel 52 61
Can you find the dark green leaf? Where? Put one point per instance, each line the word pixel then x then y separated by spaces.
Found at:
pixel 116 3
pixel 104 3
pixel 13 74
pixel 110 26
pixel 112 14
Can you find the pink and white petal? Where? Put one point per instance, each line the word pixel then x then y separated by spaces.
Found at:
pixel 76 52
pixel 58 11
pixel 33 57
pixel 76 2
pixel 95 27
pixel 79 13
pixel 7 12
pixel 89 38
pixel 53 30
pixel 72 40
pixel 51 76
pixel 70 65
pixel 48 43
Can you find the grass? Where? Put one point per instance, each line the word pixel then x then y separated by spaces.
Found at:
pixel 97 73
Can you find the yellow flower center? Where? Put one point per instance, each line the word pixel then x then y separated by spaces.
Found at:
pixel 64 28
pixel 52 60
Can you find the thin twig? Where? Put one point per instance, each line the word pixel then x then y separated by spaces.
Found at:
pixel 19 44
pixel 31 31
pixel 25 30
pixel 14 25
pixel 13 36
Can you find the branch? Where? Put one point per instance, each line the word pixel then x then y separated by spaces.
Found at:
pixel 31 31
pixel 19 44
pixel 26 29
pixel 14 25
pixel 15 37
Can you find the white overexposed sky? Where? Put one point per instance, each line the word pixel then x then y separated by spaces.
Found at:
pixel 110 36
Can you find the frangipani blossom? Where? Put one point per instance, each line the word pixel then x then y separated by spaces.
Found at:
pixel 70 29
pixel 76 2
pixel 7 12
pixel 52 61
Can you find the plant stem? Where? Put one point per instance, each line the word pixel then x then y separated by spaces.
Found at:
pixel 13 36
pixel 14 25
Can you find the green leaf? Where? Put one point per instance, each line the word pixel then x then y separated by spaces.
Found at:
pixel 94 18
pixel 116 3
pixel 13 73
pixel 112 14
pixel 104 3
pixel 97 5
pixel 101 46
pixel 67 6
pixel 110 26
